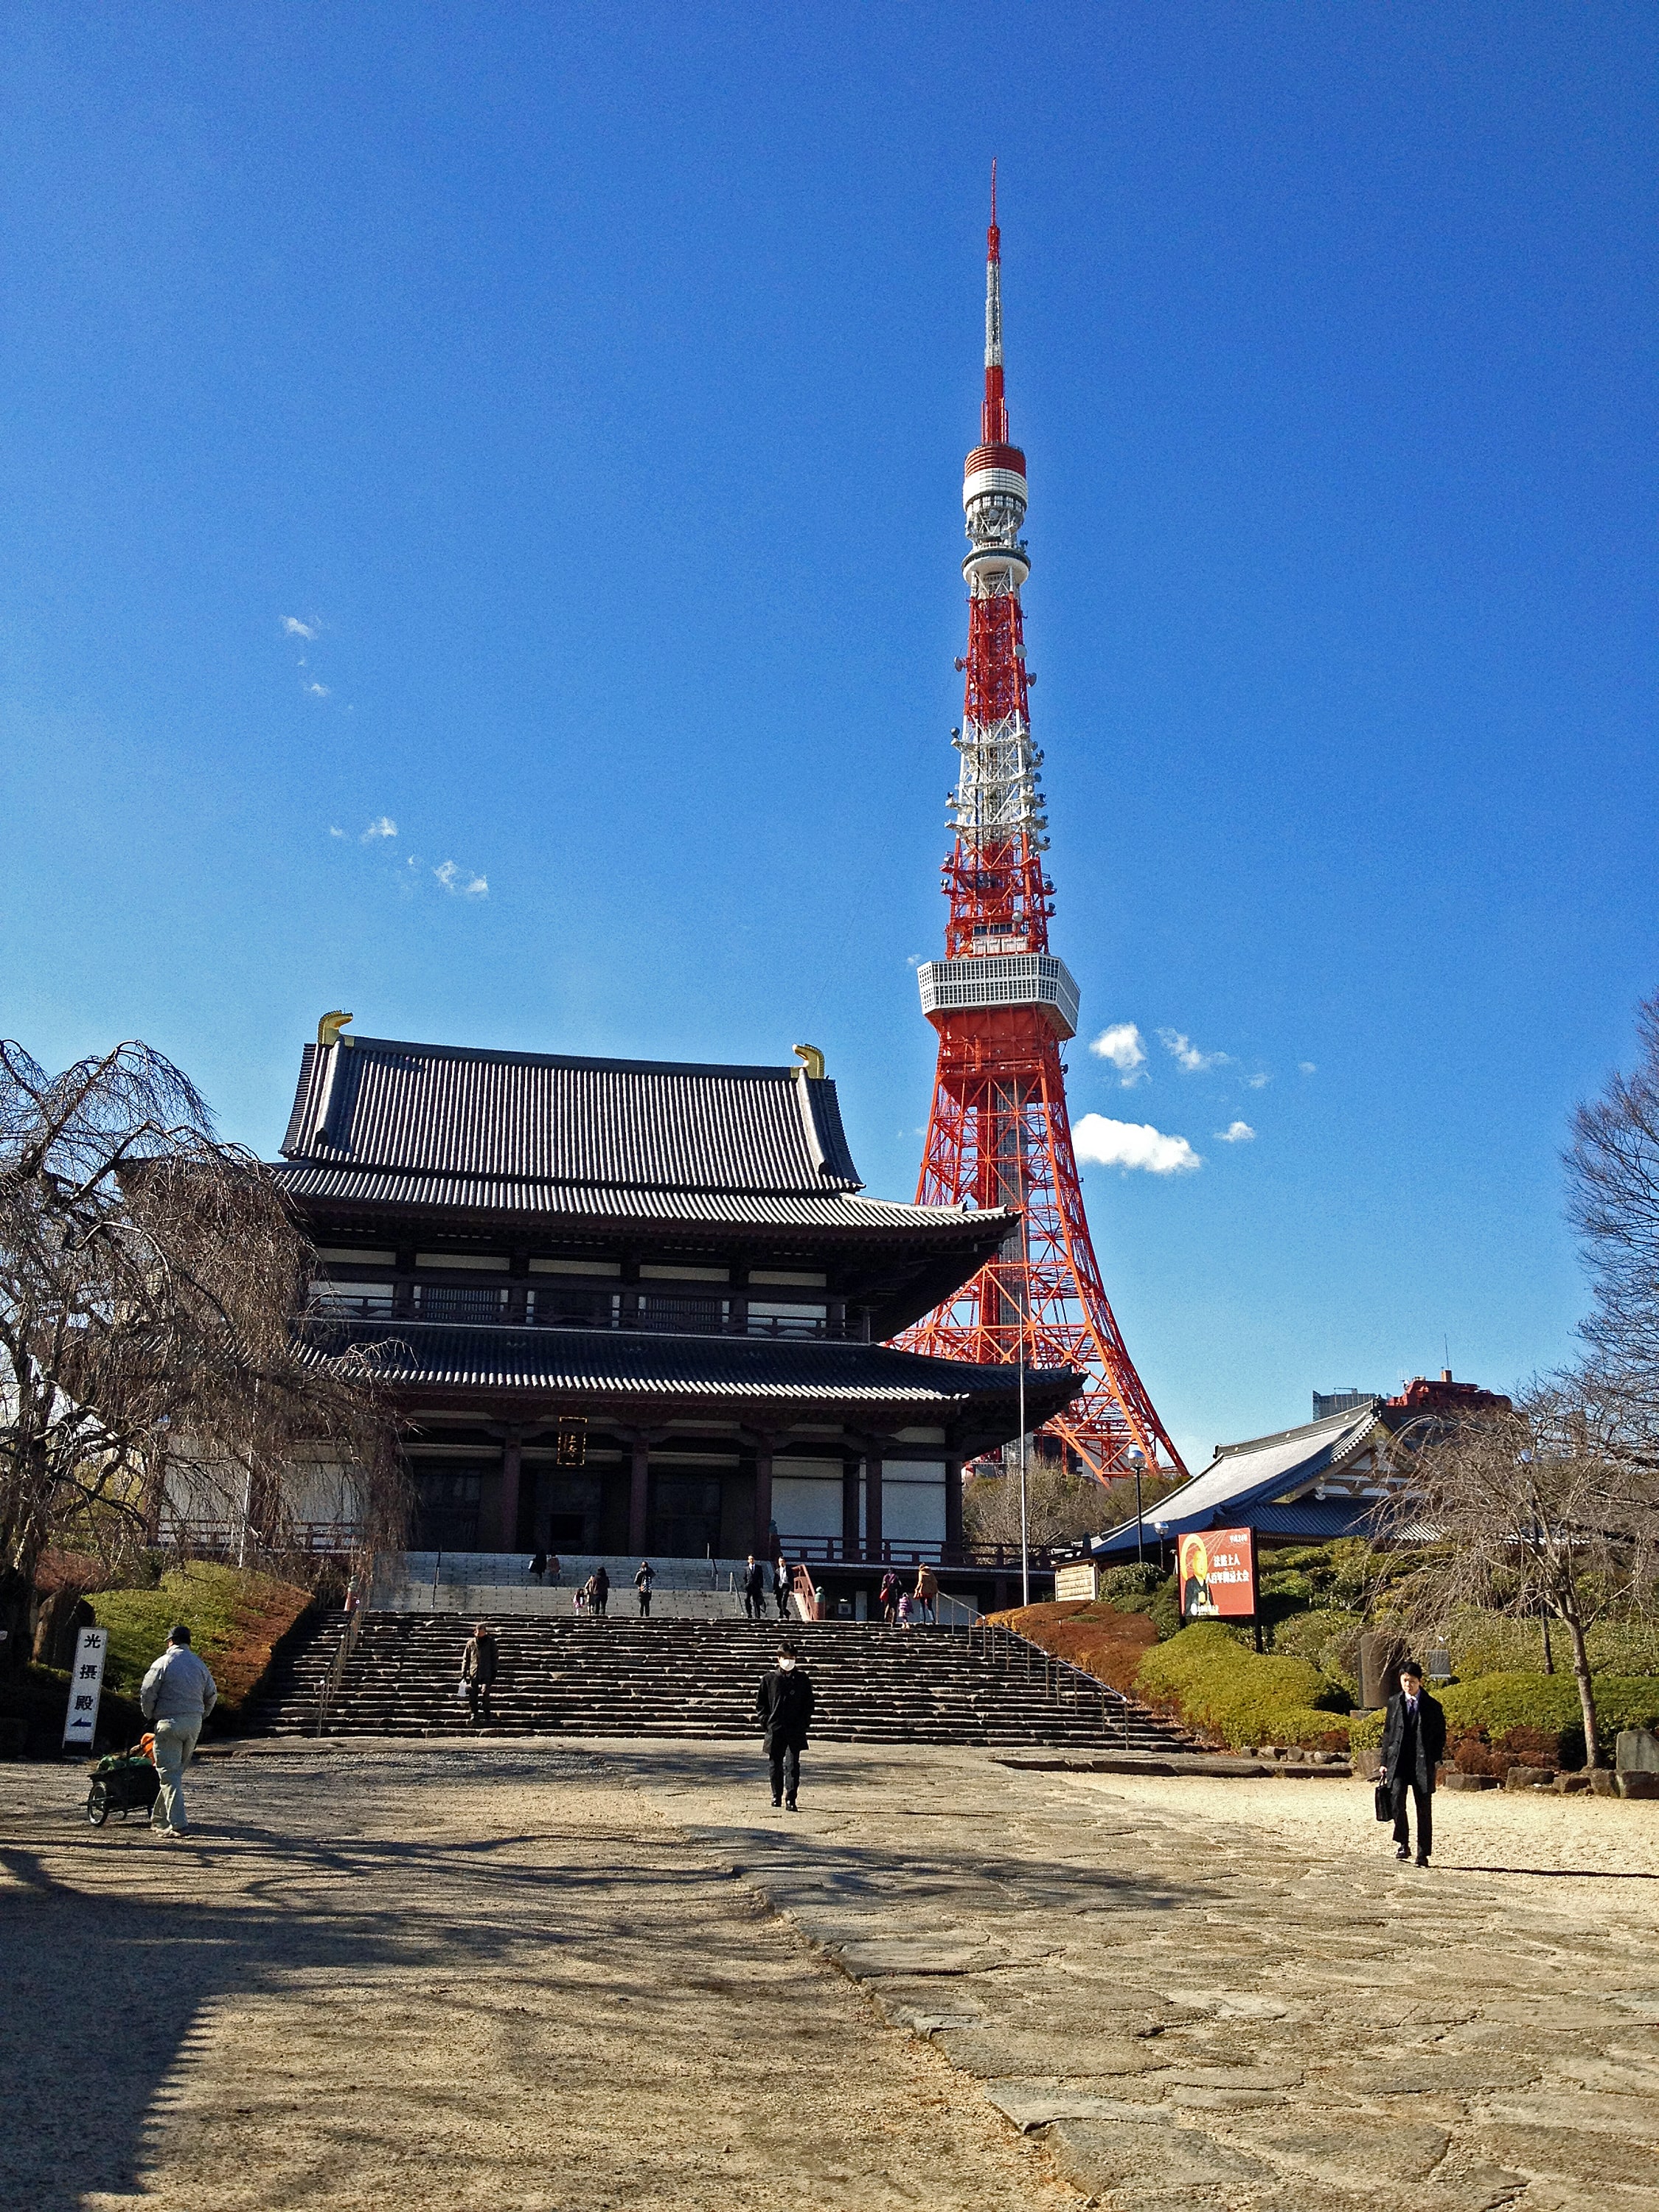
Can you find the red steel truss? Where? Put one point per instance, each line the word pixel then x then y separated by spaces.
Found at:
pixel 999 1133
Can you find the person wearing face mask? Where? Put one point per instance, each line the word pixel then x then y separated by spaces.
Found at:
pixel 783 1706
pixel 1414 1740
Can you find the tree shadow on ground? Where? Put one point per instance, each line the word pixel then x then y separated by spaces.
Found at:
pixel 110 1993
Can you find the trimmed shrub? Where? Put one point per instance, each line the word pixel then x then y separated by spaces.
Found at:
pixel 1305 1635
pixel 1129 1588
pixel 1498 1721
pixel 1494 1643
pixel 1163 1610
pixel 1623 1647
pixel 1103 1641
pixel 1222 1690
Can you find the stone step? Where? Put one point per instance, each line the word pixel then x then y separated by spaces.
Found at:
pixel 666 1677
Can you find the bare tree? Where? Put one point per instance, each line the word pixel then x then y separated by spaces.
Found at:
pixel 1061 1507
pixel 149 1278
pixel 1613 1200
pixel 1544 1507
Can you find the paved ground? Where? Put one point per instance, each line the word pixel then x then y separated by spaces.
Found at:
pixel 547 1977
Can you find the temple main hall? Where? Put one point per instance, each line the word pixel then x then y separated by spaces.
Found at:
pixel 641 1306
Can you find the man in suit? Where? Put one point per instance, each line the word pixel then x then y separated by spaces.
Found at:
pixel 1414 1740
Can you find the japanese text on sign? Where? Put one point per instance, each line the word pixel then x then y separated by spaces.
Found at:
pixel 1218 1575
pixel 87 1685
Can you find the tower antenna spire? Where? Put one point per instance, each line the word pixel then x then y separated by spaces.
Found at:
pixel 1000 1134
pixel 994 415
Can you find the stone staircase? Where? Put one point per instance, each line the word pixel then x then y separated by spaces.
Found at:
pixel 664 1677
pixel 493 1585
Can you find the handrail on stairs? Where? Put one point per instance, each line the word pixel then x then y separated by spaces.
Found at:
pixel 995 1640
pixel 358 1591
pixel 805 1592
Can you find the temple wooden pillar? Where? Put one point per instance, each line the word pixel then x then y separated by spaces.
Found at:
pixel 953 1509
pixel 506 1524
pixel 762 1546
pixel 639 1493
pixel 873 1477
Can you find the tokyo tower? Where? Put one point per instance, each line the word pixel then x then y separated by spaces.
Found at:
pixel 999 1133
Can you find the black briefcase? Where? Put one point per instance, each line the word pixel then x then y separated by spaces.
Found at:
pixel 1384 1798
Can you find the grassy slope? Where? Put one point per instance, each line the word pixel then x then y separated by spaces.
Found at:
pixel 234 1617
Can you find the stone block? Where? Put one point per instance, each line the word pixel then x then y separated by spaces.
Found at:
pixel 1453 1778
pixel 1638 1783
pixel 1573 1785
pixel 1636 1751
pixel 1601 1781
pixel 1529 1777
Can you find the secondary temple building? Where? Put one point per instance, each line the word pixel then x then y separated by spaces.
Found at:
pixel 641 1306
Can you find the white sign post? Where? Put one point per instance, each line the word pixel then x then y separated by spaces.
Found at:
pixel 1081 1580
pixel 86 1688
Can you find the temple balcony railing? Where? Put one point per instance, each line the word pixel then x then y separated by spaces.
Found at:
pixel 910 1551
pixel 500 1305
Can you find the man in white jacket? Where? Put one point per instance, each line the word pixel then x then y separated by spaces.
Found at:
pixel 177 1695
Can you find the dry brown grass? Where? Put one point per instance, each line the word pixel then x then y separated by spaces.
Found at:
pixel 1105 1643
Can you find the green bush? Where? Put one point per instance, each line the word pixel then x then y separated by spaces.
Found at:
pixel 1494 1703
pixel 1538 1710
pixel 1129 1588
pixel 1223 1690
pixel 1161 1610
pixel 1305 1635
pixel 1621 1647
pixel 1495 1644
pixel 1365 1729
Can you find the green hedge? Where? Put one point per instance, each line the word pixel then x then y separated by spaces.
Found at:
pixel 1494 1703
pixel 1535 1705
pixel 1223 1690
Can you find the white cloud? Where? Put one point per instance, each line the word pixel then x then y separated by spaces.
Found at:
pixel 1187 1056
pixel 457 882
pixel 295 628
pixel 1128 1145
pixel 317 690
pixel 1124 1046
pixel 1307 1067
pixel 1257 1082
pixel 334 830
pixel 381 826
pixel 1235 1133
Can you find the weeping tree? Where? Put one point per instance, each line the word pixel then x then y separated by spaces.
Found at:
pixel 149 1278
pixel 1550 1506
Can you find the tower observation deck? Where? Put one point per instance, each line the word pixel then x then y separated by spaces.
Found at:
pixel 1004 1003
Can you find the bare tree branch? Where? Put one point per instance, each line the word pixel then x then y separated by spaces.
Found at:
pixel 1550 1507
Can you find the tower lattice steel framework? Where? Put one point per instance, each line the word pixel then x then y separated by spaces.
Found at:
pixel 999 1133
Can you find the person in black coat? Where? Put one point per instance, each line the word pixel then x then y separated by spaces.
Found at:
pixel 754 1590
pixel 783 1706
pixel 599 1582
pixel 1414 1741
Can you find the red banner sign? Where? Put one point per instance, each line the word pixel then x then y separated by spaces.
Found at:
pixel 1218 1575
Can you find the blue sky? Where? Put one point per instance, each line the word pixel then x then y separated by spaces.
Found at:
pixel 540 430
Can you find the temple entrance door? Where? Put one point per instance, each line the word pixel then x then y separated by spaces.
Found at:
pixel 685 1516
pixel 566 1515
pixel 447 1508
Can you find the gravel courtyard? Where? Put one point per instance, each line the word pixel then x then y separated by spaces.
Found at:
pixel 552 1975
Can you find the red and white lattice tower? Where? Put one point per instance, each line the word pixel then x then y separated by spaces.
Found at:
pixel 999 1133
